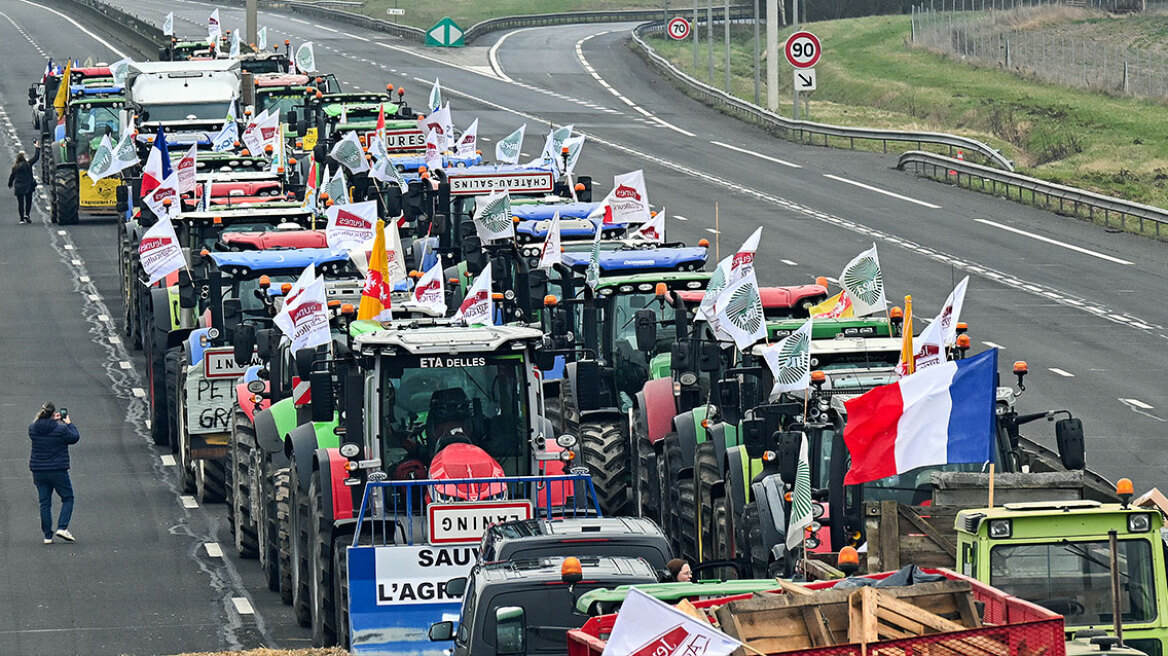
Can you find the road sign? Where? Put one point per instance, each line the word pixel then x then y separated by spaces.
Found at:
pixel 803 49
pixel 805 79
pixel 394 11
pixel 465 523
pixel 678 28
pixel 445 34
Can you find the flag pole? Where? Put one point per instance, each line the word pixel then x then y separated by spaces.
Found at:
pixel 991 499
pixel 717 235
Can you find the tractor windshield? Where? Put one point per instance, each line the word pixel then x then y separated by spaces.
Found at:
pixel 632 364
pixel 429 403
pixel 283 100
pixel 1074 579
pixel 190 111
pixel 91 123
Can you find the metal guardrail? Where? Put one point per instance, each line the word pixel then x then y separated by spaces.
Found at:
pixel 131 30
pixel 360 20
pixel 802 131
pixel 1151 220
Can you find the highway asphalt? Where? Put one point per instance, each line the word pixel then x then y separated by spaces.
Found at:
pixel 1079 303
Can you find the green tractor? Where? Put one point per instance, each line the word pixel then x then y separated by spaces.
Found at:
pixel 93 111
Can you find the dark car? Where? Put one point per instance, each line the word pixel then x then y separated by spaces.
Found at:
pixel 576 536
pixel 527 606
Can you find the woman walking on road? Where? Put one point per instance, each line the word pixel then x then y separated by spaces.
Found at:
pixel 23 183
pixel 51 433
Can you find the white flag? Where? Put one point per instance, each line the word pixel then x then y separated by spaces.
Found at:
pixel 214 30
pixel 228 136
pixel 435 96
pixel 574 146
pixel 168 25
pixel 205 196
pixel 433 154
pixel 739 312
pixel 647 625
pixel 304 316
pixel 439 122
pixel 263 130
pixel 351 225
pixel 336 187
pixel 234 52
pixel 159 251
pixel 350 154
pixel 119 69
pixel 262 38
pixel 186 168
pixel 478 308
pixel 157 197
pixel 384 170
pixel 492 217
pixel 864 283
pixel 394 254
pixel 628 199
pixel 507 149
pixel 930 345
pixel 801 508
pixel 789 360
pixel 550 255
pixel 652 231
pixel 430 292
pixel 468 142
pixel 717 282
pixel 306 57
pixel 125 152
pixel 377 148
pixel 743 262
pixel 102 161
pixel 592 273
pixel 553 145
pixel 110 159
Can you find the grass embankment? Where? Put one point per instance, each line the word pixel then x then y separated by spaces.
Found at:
pixel 870 76
pixel 468 12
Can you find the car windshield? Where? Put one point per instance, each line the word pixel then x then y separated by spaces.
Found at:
pixel 92 124
pixel 1074 579
pixel 549 611
pixel 195 111
pixel 429 403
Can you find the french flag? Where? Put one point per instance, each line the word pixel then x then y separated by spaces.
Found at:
pixel 941 415
pixel 158 167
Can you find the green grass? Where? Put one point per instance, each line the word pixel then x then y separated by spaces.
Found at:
pixel 869 76
pixel 468 12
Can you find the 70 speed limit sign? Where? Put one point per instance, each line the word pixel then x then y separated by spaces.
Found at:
pixel 803 49
pixel 678 28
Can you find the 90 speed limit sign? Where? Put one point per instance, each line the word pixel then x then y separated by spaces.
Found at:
pixel 803 49
pixel 678 28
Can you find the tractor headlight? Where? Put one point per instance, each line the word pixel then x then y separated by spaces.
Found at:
pixel 566 441
pixel 350 450
pixel 255 386
pixel 1139 523
pixel 817 510
pixel 1001 528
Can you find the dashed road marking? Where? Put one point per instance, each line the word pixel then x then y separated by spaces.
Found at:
pixel 139 392
pixel 1137 403
pixel 993 345
pixel 242 606
pixel 882 191
pixel 607 86
pixel 676 216
pixel 1064 374
pixel 789 263
pixel 168 460
pixel 126 365
pixel 213 549
pixel 189 501
pixel 768 158
pixel 1048 240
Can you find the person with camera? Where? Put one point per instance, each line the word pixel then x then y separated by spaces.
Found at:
pixel 51 434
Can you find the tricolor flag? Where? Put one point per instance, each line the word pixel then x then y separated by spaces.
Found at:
pixel 551 255
pixel 864 283
pixel 789 360
pixel 351 225
pixel 647 626
pixel 158 165
pixel 942 415
pixel 478 308
pixel 159 252
pixel 375 295
pixel 507 149
pixel 430 292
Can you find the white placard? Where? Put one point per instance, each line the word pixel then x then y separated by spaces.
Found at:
pixel 408 576
pixel 465 523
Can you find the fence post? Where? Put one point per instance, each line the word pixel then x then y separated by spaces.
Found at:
pixel 1008 64
pixel 1126 83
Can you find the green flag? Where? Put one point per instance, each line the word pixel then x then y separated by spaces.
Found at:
pixel 306 57
pixel 801 511
pixel 507 149
pixel 790 361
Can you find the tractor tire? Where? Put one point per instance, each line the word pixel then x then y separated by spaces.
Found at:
pixel 707 472
pixel 324 632
pixel 163 381
pixel 243 486
pixel 687 518
pixel 263 509
pixel 181 444
pixel 754 550
pixel 68 196
pixel 669 490
pixel 210 481
pixel 298 542
pixel 605 450
pixel 554 413
pixel 723 534
pixel 282 488
pixel 648 484
pixel 341 586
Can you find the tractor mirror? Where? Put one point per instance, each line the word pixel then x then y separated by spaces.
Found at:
pixel 441 223
pixel 244 343
pixel 754 436
pixel 301 127
pixel 304 359
pixel 187 297
pixel 709 357
pixel 232 316
pixel 679 357
pixel 646 321
pixel 320 384
pixel 788 455
pixel 292 118
pixel 123 198
pixel 1068 434
pixel 729 400
pixel 320 153
pixel 266 343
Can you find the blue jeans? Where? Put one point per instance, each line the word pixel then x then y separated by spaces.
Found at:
pixel 46 483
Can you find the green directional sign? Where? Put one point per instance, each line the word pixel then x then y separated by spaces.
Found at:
pixel 445 34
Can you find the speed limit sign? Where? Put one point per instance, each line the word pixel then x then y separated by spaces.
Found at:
pixel 678 28
pixel 803 49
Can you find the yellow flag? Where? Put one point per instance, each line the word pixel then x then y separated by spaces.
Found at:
pixel 907 353
pixel 375 299
pixel 836 307
pixel 63 91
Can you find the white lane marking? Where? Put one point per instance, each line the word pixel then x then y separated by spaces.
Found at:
pixel 493 54
pixel 139 392
pixel 189 501
pixel 77 262
pixel 78 26
pixel 676 216
pixel 606 85
pixel 1137 403
pixel 68 247
pixel 298 20
pixel 213 549
pixel 242 606
pixel 114 339
pixel 993 345
pixel 1064 374
pixel 103 318
pixel 712 231
pixel 1048 240
pixel 354 36
pixel 882 191
pixel 168 460
pixel 789 263
pixel 768 158
pixel 327 29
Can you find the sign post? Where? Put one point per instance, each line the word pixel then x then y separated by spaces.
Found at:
pixel 803 51
pixel 678 29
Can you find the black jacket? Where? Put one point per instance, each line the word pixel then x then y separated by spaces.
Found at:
pixel 50 444
pixel 21 177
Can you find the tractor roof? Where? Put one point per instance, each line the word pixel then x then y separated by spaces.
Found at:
pixel 439 337
pixel 545 212
pixel 692 281
pixel 772 297
pixel 245 262
pixel 831 328
pixel 668 259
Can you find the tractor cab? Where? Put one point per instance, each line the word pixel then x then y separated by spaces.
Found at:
pixel 93 113
pixel 263 63
pixel 187 98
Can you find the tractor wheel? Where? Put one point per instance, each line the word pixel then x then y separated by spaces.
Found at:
pixel 176 385
pixel 282 488
pixel 669 489
pixel 723 535
pixel 298 538
pixel 341 586
pixel 242 486
pixel 210 481
pixel 665 510
pixel 707 472
pixel 687 518
pixel 553 413
pixel 605 450
pixel 754 550
pixel 163 380
pixel 263 510
pixel 321 563
pixel 648 489
pixel 67 194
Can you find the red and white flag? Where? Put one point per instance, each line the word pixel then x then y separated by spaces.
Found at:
pixel 743 262
pixel 304 317
pixel 646 626
pixel 652 231
pixel 157 163
pixel 166 190
pixel 930 345
pixel 350 225
pixel 478 308
pixel 628 199
pixel 442 126
pixel 430 292
pixel 468 142
pixel 261 131
pixel 186 170
pixel 433 150
pixel 159 251
pixel 551 254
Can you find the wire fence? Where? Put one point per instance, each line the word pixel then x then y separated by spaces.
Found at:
pixel 991 33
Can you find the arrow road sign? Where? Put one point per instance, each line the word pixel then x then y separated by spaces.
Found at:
pixel 805 79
